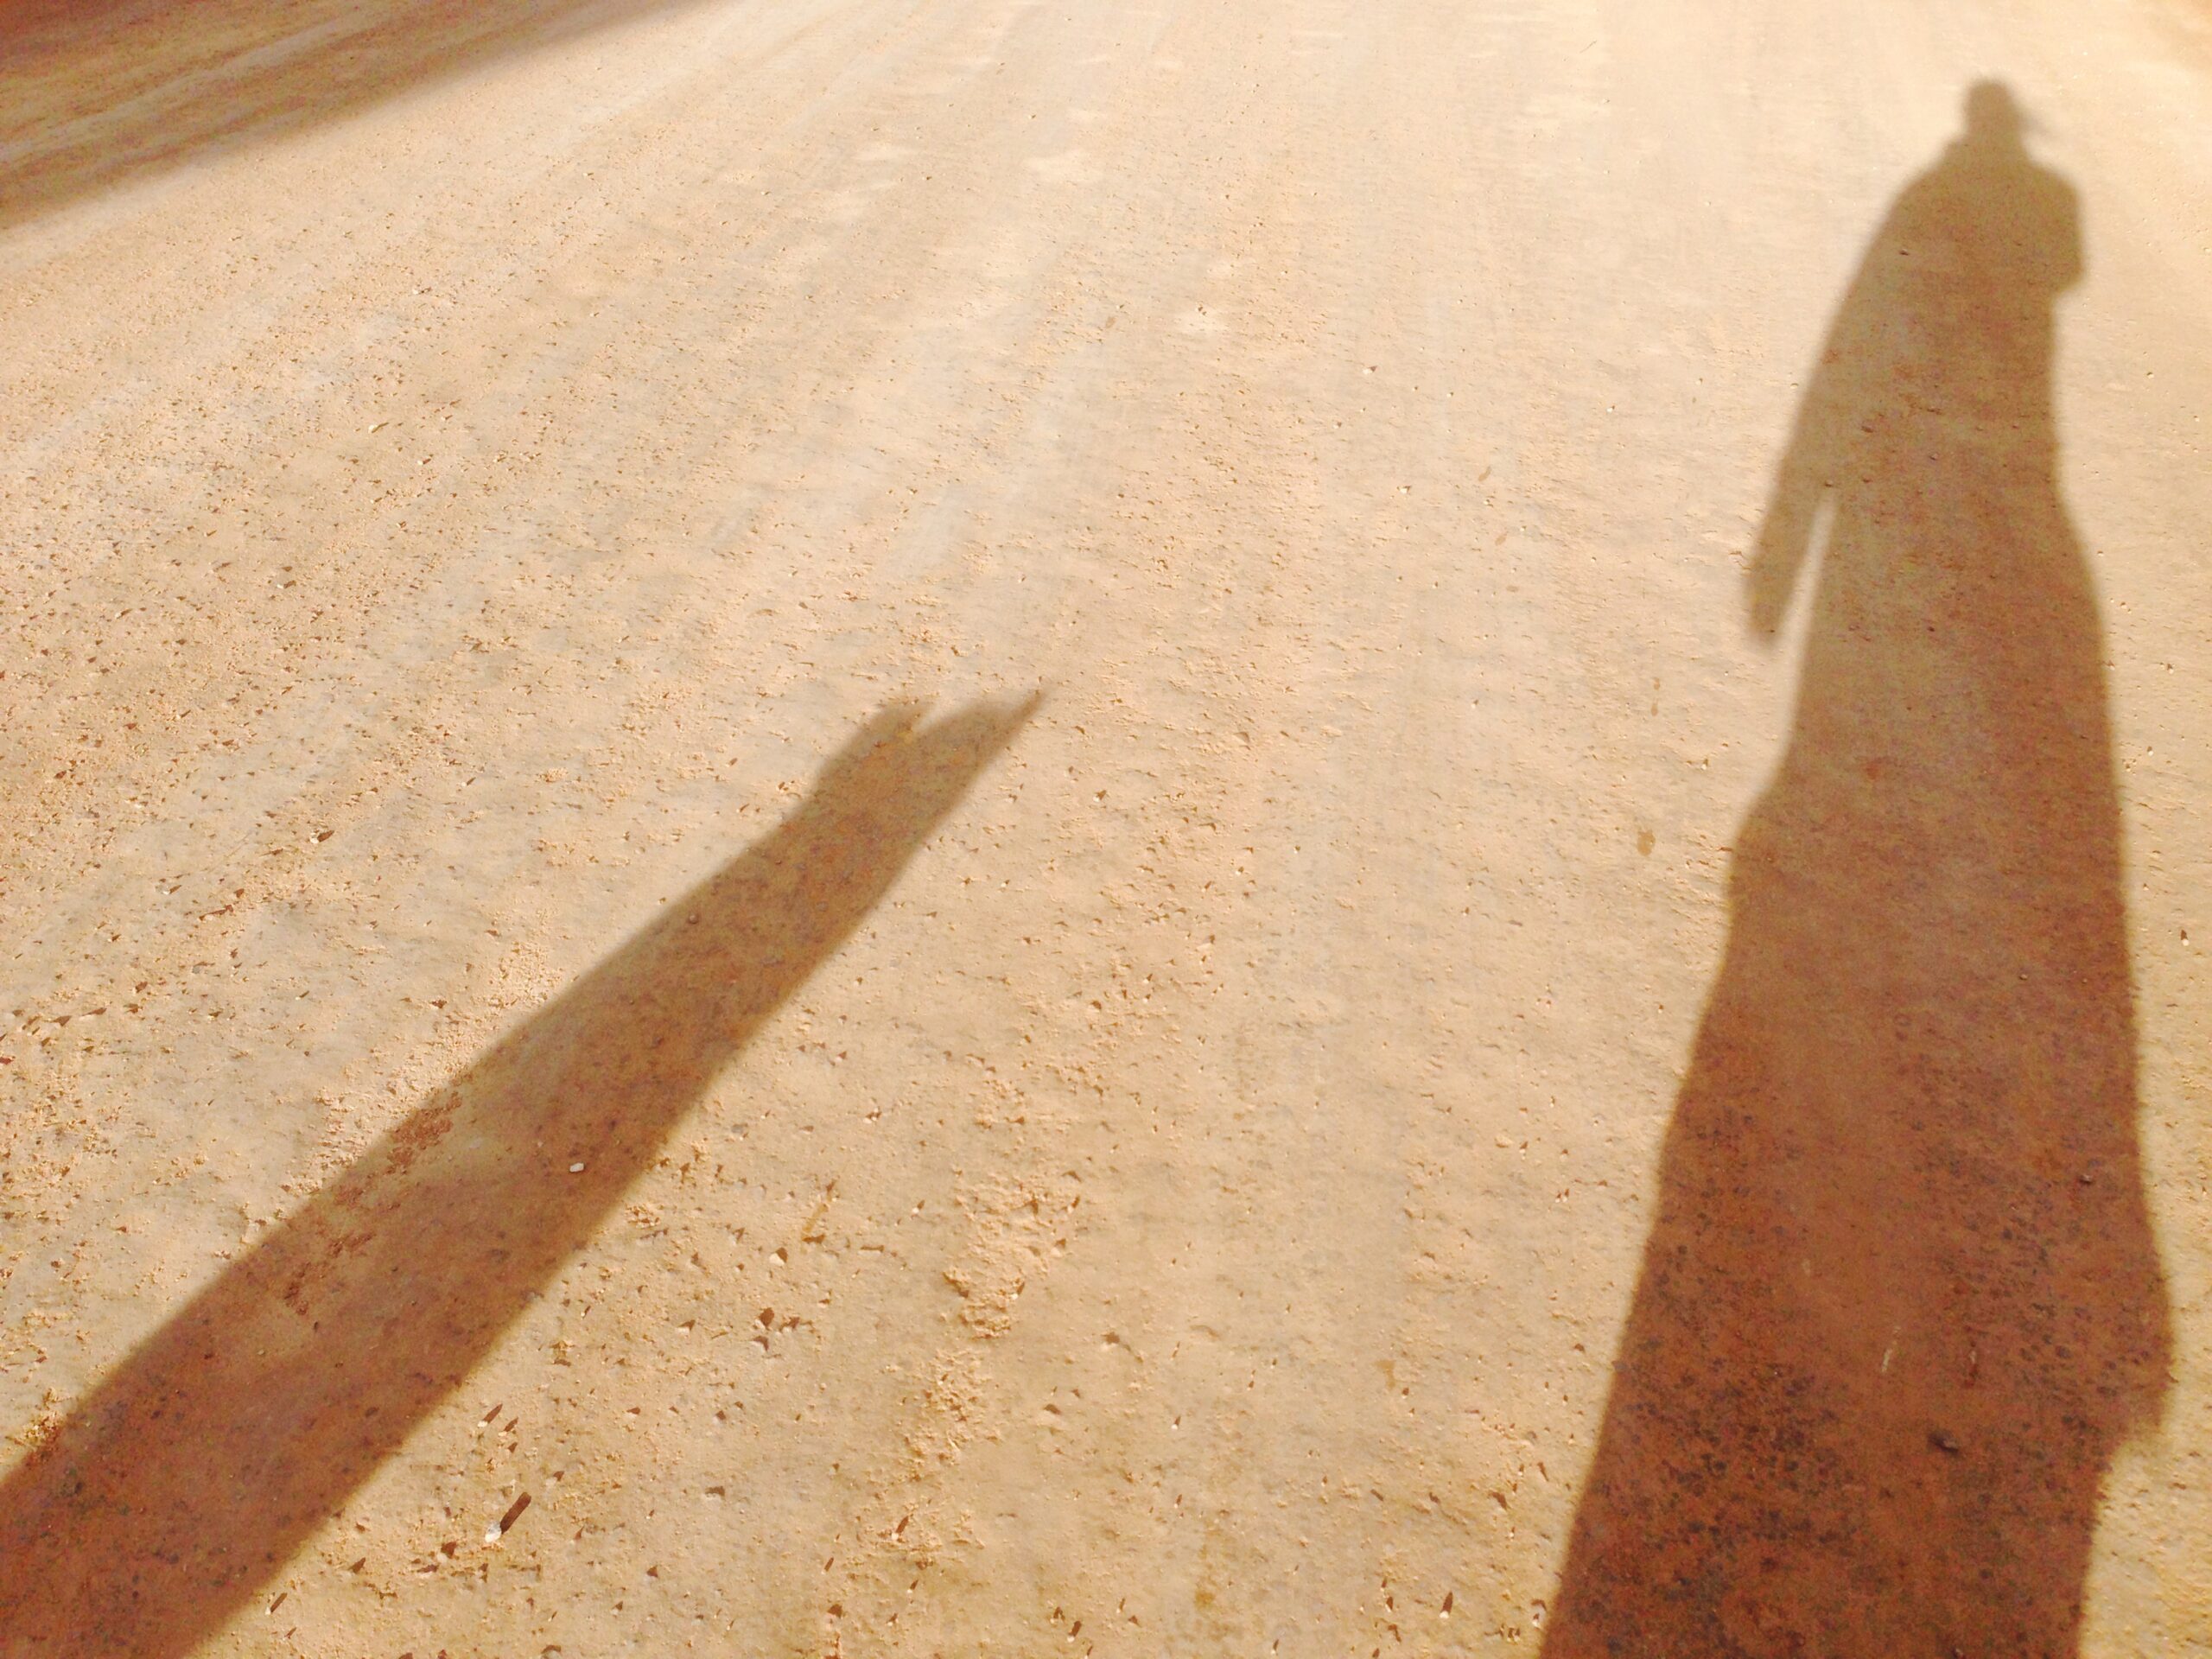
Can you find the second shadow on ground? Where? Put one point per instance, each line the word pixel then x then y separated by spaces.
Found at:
pixel 186 1479
pixel 95 95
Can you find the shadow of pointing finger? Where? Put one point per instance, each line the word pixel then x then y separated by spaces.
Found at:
pixel 186 1478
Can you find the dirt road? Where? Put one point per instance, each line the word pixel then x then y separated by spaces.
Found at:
pixel 946 827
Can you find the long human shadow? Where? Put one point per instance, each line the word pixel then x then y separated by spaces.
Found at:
pixel 1901 1301
pixel 187 1477
pixel 94 93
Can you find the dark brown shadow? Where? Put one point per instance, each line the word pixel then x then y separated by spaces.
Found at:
pixel 96 92
pixel 187 1477
pixel 1901 1301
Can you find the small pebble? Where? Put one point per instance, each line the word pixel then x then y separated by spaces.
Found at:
pixel 497 1529
pixel 575 1169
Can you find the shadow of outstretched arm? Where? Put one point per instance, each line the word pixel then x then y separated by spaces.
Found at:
pixel 184 1481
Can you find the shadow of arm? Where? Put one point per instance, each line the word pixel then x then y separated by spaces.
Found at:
pixel 184 1481
pixel 1793 507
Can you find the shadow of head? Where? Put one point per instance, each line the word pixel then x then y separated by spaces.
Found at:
pixel 1991 160
pixel 187 1477
pixel 1993 116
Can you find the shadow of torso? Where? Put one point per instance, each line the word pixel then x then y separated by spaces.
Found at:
pixel 1901 1302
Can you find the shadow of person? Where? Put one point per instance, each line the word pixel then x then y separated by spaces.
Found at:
pixel 183 1482
pixel 1901 1302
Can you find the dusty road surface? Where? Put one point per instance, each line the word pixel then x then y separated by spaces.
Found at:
pixel 957 827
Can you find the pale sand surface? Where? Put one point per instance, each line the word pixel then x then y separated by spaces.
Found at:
pixel 1159 1169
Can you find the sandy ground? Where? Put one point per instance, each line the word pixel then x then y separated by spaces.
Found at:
pixel 953 826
